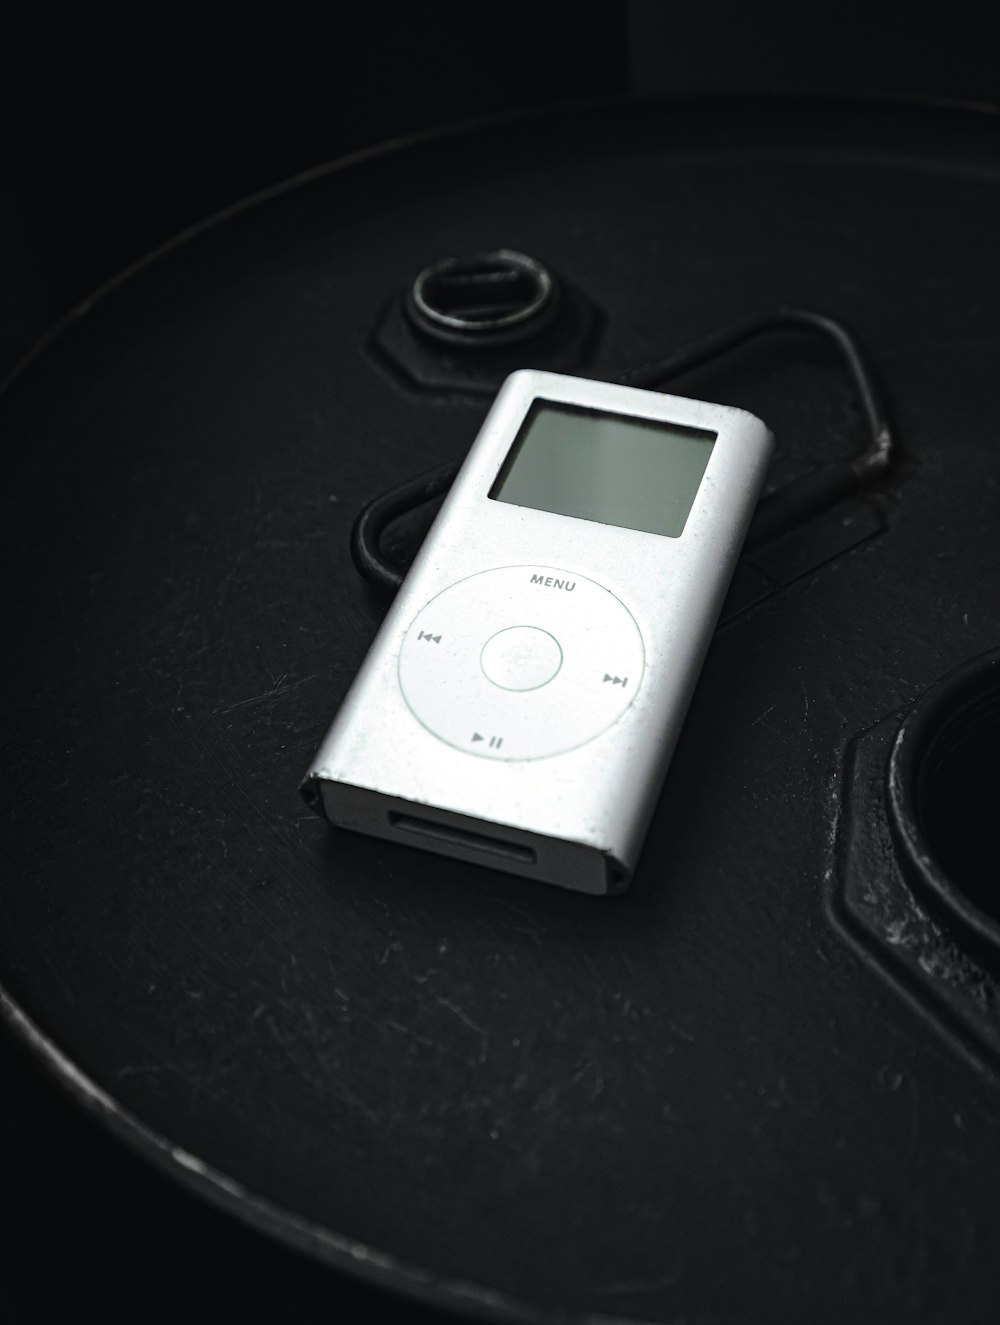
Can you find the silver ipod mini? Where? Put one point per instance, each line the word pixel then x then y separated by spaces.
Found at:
pixel 521 702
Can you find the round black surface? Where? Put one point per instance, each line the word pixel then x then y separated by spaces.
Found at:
pixel 694 1100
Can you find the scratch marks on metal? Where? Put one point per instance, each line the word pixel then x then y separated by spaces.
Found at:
pixel 281 685
pixel 484 1036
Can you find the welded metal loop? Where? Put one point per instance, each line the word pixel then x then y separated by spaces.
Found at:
pixel 791 505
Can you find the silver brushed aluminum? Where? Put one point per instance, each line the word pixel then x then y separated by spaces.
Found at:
pixel 520 704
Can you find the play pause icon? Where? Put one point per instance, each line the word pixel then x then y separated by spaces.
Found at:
pixel 495 742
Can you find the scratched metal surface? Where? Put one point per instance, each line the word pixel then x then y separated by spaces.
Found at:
pixel 698 1101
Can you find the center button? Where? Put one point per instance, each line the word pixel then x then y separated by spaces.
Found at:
pixel 521 658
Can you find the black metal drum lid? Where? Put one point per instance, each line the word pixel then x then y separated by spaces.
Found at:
pixel 491 1094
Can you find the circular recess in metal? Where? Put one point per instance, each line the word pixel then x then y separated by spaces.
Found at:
pixel 942 795
pixel 485 299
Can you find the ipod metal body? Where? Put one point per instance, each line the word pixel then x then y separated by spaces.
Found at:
pixel 522 700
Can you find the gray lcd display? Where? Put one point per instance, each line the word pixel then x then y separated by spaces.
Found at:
pixel 612 468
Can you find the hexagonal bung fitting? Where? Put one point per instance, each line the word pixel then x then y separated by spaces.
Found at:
pixel 913 883
pixel 464 323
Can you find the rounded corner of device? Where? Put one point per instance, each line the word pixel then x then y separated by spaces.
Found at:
pixel 524 378
pixel 755 420
pixel 311 791
pixel 618 876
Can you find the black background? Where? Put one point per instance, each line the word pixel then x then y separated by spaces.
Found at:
pixel 118 137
